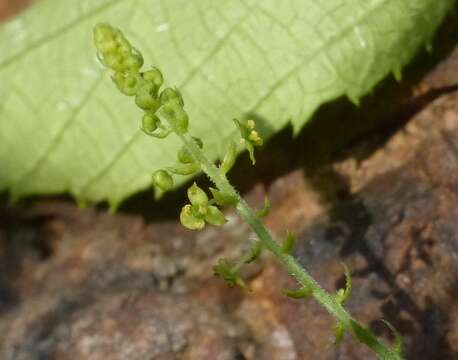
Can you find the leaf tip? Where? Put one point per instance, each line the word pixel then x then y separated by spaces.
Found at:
pixel 113 206
pixel 354 99
pixel 397 73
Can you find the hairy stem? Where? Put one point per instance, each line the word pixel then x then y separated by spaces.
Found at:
pixel 293 268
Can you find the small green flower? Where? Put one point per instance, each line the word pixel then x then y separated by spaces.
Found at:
pixel 194 216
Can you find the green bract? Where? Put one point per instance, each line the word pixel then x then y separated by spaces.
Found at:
pixel 229 273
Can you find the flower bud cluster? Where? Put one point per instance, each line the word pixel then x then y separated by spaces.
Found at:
pixel 116 53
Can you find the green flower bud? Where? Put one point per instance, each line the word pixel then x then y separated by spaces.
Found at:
pixel 147 102
pixel 176 116
pixel 122 43
pixel 169 94
pixel 162 180
pixel 145 87
pixel 184 156
pixel 107 46
pixel 115 51
pixel 190 221
pixel 255 138
pixel 104 38
pixel 114 61
pixel 197 196
pixel 126 83
pixel 133 62
pixel 302 293
pixel 154 77
pixel 149 122
pixel 184 169
pixel 214 216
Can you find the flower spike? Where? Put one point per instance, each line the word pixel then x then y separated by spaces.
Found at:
pixel 163 114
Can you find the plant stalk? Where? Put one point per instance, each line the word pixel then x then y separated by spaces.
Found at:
pixel 363 334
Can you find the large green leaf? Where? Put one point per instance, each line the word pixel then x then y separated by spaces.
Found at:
pixel 64 127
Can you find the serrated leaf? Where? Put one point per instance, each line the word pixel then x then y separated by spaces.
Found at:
pixel 63 127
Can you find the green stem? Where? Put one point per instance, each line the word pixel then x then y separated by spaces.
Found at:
pixel 293 268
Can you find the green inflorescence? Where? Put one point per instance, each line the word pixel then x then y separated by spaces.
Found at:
pixel 163 115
